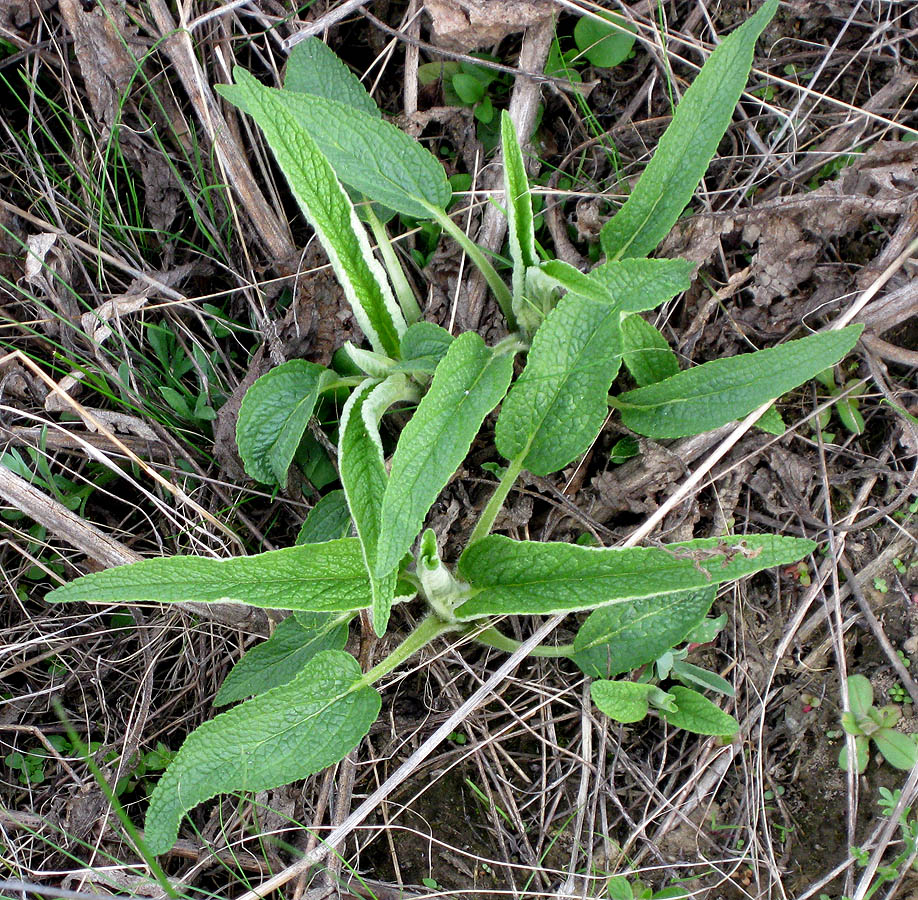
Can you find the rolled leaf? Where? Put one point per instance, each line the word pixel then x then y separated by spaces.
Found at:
pixel 317 577
pixel 531 577
pixel 288 733
pixel 687 146
pixel 520 229
pixel 273 417
pixel 364 477
pixel 558 405
pixel 468 383
pixel 326 206
pixel 708 396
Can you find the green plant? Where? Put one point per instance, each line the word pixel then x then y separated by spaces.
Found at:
pixel 867 722
pixel 848 405
pixel 312 702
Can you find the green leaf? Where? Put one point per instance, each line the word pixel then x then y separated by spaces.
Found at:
pixel 558 405
pixel 288 733
pixel 296 640
pixel 363 475
pixel 326 206
pixel 862 752
pixel 273 416
pixel 425 341
pixel 468 88
pixel 695 713
pixel 605 46
pixel 860 695
pixel 645 352
pixel 632 285
pixel 688 145
pixel 708 396
pixel 366 152
pixel 623 701
pixel 622 636
pixel 313 68
pixel 318 577
pixel 702 677
pixel 771 421
pixel 531 577
pixel 521 233
pixel 328 520
pixel 706 630
pixel 898 749
pixel 468 383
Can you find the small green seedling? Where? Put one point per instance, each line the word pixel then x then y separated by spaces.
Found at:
pixel 363 547
pixel 867 723
pixel 847 407
pixel 605 39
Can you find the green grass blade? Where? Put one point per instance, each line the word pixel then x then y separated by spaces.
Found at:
pixel 688 145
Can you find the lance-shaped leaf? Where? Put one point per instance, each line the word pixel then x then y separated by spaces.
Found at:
pixel 280 658
pixel 318 577
pixel 364 477
pixel 327 207
pixel 695 713
pixel 557 406
pixel 367 153
pixel 645 352
pixel 686 148
pixel 289 732
pixel 623 701
pixel 622 636
pixel 273 416
pixel 328 520
pixel 521 577
pixel 424 344
pixel 313 68
pixel 520 229
pixel 710 395
pixel 468 383
pixel 632 285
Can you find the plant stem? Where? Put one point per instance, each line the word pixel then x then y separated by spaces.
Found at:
pixel 430 628
pixel 496 501
pixel 406 298
pixel 493 638
pixel 501 291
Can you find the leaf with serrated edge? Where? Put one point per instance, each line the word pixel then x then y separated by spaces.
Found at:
pixel 468 383
pixel 364 477
pixel 328 520
pixel 273 416
pixel 631 285
pixel 645 352
pixel 277 660
pixel 328 209
pixel 558 405
pixel 695 713
pixel 286 734
pixel 520 230
pixel 510 577
pixel 622 636
pixel 318 577
pixel 622 701
pixel 708 396
pixel 313 68
pixel 687 146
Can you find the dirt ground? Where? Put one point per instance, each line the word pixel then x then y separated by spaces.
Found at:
pixel 113 179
